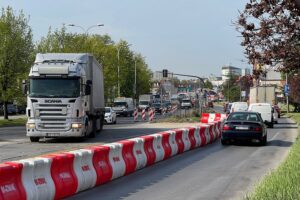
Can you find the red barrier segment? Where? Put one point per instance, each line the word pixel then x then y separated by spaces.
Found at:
pixel 179 141
pixel 63 174
pixel 128 156
pixel 202 136
pixel 217 117
pixel 101 164
pixel 11 186
pixel 166 145
pixel 204 118
pixel 191 137
pixel 149 150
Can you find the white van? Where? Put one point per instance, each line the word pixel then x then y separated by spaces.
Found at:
pixel 123 106
pixel 239 106
pixel 265 110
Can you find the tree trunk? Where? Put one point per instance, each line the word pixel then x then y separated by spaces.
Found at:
pixel 5 110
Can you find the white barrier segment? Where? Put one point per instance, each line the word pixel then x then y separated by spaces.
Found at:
pixel 158 148
pixel 84 169
pixel 211 117
pixel 197 136
pixel 172 142
pixel 139 152
pixel 185 139
pixel 36 178
pixel 116 159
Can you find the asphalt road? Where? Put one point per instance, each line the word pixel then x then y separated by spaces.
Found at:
pixel 14 144
pixel 211 172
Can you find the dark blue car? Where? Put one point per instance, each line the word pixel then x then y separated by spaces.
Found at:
pixel 246 126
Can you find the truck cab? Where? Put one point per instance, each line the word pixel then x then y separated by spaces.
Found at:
pixel 61 96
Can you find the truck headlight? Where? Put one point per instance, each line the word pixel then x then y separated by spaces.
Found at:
pixel 30 125
pixel 77 125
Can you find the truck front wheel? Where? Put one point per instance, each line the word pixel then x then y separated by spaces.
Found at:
pixel 34 139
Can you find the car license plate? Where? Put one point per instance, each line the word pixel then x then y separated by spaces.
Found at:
pixel 53 134
pixel 242 128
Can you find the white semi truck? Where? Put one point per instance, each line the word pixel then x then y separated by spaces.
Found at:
pixel 65 96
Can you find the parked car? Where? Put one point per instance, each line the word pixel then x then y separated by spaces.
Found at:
pixel 265 110
pixel 110 116
pixel 186 103
pixel 239 106
pixel 21 109
pixel 12 109
pixel 247 126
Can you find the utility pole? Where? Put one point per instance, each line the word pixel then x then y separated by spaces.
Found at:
pixel 287 93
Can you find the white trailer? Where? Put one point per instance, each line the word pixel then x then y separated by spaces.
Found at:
pixel 65 96
pixel 262 94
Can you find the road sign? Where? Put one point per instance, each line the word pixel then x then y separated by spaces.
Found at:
pixel 286 89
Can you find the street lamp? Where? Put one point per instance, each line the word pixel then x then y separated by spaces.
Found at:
pixel 118 56
pixel 85 30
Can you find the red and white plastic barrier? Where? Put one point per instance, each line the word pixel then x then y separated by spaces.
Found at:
pixel 212 117
pixel 135 115
pixel 143 114
pixel 61 175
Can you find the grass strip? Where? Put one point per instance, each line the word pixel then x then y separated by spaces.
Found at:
pixel 284 182
pixel 13 122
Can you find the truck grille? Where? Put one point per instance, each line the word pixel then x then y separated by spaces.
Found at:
pixel 53 117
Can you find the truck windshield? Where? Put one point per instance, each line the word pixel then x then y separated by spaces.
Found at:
pixel 54 87
pixel 119 104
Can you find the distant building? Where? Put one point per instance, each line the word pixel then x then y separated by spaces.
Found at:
pixel 230 71
pixel 245 72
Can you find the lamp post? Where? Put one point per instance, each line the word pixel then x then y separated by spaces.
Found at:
pixel 85 30
pixel 118 57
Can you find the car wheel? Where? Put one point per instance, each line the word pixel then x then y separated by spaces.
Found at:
pixel 263 142
pixel 34 139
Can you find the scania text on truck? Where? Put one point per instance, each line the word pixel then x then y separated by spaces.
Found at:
pixel 65 96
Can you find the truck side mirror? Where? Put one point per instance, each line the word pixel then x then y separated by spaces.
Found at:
pixel 24 87
pixel 87 89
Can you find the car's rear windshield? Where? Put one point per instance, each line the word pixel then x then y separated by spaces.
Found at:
pixel 186 101
pixel 107 110
pixel 244 117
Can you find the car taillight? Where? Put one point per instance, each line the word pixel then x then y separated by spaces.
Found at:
pixel 258 129
pixel 226 127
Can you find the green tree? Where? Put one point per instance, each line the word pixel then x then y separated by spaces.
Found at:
pixel 231 89
pixel 16 48
pixel 106 52
pixel 208 85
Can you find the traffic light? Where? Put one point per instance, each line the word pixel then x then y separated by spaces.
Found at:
pixel 165 73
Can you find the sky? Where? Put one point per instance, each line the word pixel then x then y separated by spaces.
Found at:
pixel 194 37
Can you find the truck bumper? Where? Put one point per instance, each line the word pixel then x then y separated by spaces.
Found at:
pixel 52 134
